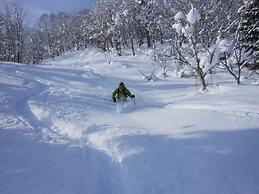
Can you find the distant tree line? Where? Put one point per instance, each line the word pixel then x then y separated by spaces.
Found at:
pixel 197 35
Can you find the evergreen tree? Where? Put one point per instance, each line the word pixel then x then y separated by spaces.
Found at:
pixel 248 31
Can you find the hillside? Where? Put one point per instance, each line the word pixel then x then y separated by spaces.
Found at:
pixel 60 132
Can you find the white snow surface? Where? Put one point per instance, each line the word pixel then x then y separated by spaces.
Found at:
pixel 61 133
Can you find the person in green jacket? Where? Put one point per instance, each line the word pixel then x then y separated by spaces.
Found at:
pixel 121 93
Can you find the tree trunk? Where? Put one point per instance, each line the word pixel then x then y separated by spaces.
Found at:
pixel 148 39
pixel 238 74
pixel 132 46
pixel 202 78
pixel 161 36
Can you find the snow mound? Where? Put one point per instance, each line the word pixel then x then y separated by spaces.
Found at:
pixel 193 16
pixel 109 140
pixel 125 107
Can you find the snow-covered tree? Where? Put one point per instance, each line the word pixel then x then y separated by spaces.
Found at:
pixel 13 26
pixel 36 48
pixel 163 57
pixel 231 57
pixel 3 40
pixel 190 52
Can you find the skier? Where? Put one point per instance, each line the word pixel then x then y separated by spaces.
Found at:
pixel 121 93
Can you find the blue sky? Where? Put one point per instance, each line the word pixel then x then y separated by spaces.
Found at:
pixel 34 8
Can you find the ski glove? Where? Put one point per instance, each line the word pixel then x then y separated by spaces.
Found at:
pixel 114 99
pixel 133 96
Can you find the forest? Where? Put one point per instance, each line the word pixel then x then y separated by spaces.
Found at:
pixel 196 37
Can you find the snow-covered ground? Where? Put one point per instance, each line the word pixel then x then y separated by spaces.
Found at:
pixel 61 133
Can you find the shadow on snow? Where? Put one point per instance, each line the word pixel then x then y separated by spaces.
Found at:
pixel 202 162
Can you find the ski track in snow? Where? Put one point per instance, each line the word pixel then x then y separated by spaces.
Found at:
pixel 173 139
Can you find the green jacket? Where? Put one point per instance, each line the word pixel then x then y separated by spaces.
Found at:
pixel 121 94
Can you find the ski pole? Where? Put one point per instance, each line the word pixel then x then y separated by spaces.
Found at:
pixel 134 101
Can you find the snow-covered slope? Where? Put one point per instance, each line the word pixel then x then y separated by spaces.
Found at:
pixel 61 133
